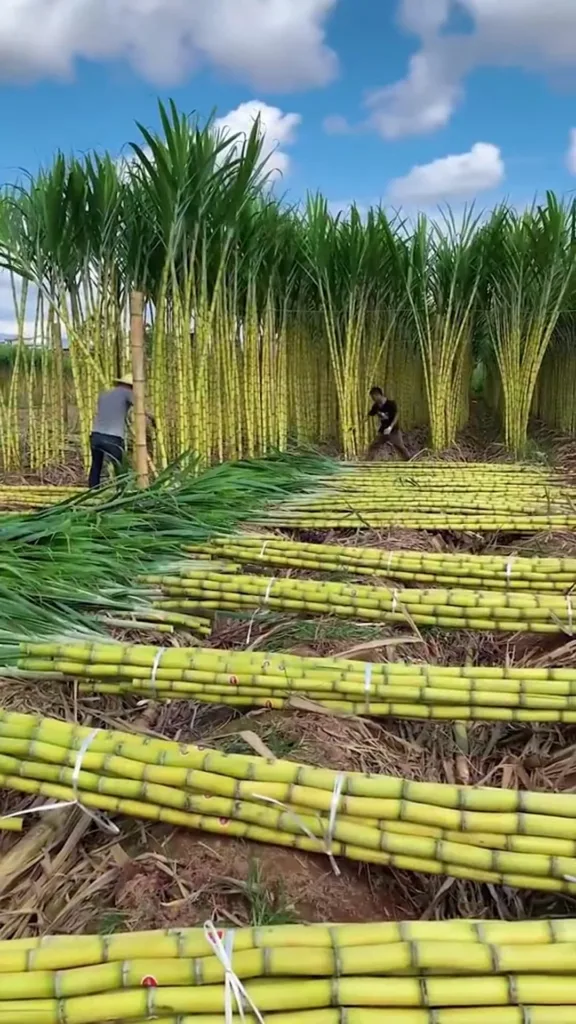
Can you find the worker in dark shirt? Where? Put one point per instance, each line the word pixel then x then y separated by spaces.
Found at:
pixel 108 437
pixel 388 431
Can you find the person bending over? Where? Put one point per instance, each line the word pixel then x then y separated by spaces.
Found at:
pixel 388 431
pixel 108 437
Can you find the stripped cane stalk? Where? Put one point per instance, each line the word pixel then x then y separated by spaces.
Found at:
pixel 140 423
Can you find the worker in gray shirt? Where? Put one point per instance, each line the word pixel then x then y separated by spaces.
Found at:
pixel 108 437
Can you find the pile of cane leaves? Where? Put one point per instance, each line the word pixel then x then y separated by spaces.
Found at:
pixel 62 564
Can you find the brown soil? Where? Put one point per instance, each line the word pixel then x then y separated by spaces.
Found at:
pixel 210 880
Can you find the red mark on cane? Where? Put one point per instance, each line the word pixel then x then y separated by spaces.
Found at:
pixel 149 982
pixel 233 680
pixel 224 821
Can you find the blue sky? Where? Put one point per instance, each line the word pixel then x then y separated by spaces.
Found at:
pixel 408 102
pixel 94 75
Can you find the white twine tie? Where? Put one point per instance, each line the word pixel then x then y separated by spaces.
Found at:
pixel 250 628
pixel 288 811
pixel 263 549
pixel 570 611
pixel 367 685
pixel 234 991
pixel 264 601
pixel 268 590
pixel 328 839
pixel 156 665
pixel 394 601
pixel 58 805
pixel 509 565
pixel 336 792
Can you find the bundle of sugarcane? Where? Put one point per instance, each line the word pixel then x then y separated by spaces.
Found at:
pixel 36 495
pixel 420 495
pixel 485 475
pixel 408 973
pixel 442 468
pixel 461 569
pixel 199 591
pixel 255 679
pixel 459 522
pixel 442 515
pixel 499 836
pixel 459 497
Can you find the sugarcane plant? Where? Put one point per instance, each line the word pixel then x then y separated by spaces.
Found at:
pixel 289 314
pixel 529 268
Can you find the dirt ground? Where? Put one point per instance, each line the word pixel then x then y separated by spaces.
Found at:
pixel 65 875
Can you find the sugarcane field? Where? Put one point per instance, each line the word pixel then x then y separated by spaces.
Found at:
pixel 287 600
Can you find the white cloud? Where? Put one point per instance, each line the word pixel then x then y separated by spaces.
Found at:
pixel 423 102
pixel 460 176
pixel 423 16
pixel 7 312
pixel 273 44
pixel 335 124
pixel 571 154
pixel 277 129
pixel 529 34
pixel 8 322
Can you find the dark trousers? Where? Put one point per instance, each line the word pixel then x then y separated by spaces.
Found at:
pixel 104 446
pixel 395 439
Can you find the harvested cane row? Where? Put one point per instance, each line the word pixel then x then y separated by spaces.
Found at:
pixel 502 837
pixel 192 590
pixel 467 519
pixel 36 495
pixel 462 569
pixel 406 973
pixel 509 470
pixel 242 679
pixel 428 496
pixel 487 476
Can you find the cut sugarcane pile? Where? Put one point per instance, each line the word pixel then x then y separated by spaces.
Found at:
pixel 441 496
pixel 446 569
pixel 193 590
pixel 446 972
pixel 75 563
pixel 36 495
pixel 254 679
pixel 519 839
